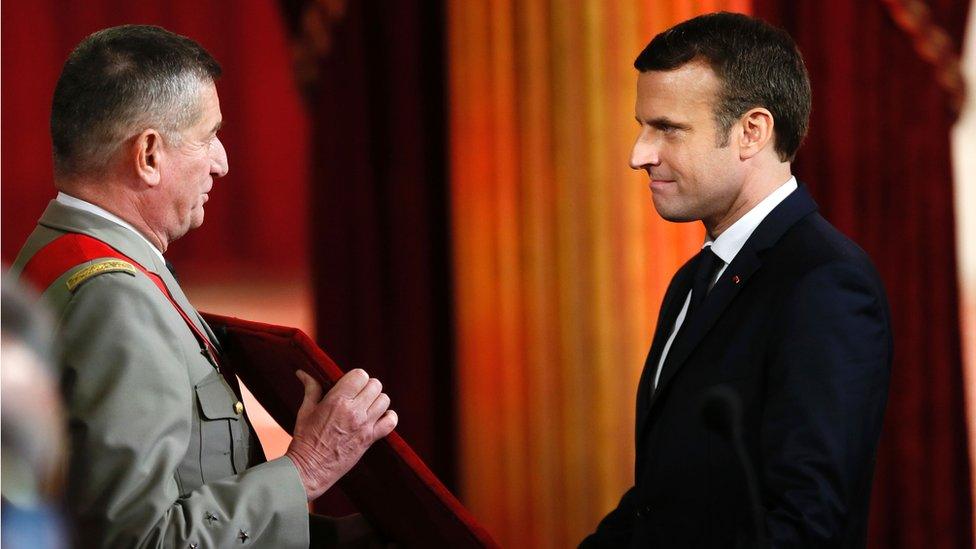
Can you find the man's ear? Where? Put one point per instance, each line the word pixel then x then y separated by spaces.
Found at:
pixel 146 155
pixel 757 132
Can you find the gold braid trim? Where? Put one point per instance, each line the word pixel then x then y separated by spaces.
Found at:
pixel 106 266
pixel 933 44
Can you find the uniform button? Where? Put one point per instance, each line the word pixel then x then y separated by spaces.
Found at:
pixel 193 545
pixel 238 407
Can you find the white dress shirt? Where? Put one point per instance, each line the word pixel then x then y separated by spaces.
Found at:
pixel 80 204
pixel 726 247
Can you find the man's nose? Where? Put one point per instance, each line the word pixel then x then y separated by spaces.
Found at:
pixel 219 166
pixel 643 154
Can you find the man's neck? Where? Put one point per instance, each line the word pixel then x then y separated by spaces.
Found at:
pixel 753 191
pixel 117 203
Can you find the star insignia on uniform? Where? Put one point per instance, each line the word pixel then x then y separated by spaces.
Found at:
pixel 211 518
pixel 243 535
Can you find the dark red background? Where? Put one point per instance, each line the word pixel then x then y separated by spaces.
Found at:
pixel 340 180
pixel 877 159
pixel 257 216
pixel 372 224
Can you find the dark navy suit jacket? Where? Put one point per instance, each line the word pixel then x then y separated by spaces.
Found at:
pixel 798 326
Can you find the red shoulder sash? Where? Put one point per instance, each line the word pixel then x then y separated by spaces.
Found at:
pixel 69 250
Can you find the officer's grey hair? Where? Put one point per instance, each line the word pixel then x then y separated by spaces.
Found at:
pixel 119 82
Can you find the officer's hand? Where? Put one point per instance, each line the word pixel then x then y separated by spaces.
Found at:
pixel 332 433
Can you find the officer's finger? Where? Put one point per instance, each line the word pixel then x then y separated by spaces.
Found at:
pixel 369 393
pixel 313 390
pixel 378 406
pixel 385 424
pixel 350 384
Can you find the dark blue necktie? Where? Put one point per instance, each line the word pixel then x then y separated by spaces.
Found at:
pixel 706 265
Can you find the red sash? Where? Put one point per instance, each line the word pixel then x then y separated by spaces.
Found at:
pixel 72 249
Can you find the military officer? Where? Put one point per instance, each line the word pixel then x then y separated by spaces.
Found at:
pixel 161 454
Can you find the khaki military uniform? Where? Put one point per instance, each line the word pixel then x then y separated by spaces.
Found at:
pixel 161 455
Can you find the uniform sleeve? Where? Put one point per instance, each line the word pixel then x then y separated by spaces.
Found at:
pixel 826 393
pixel 130 399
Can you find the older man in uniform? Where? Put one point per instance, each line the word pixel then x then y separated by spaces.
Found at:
pixel 161 453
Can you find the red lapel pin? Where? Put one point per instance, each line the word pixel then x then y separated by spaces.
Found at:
pixel 736 279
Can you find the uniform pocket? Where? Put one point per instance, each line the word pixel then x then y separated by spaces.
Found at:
pixel 216 399
pixel 220 427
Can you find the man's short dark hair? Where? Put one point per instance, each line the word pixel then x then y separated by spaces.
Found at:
pixel 759 66
pixel 118 82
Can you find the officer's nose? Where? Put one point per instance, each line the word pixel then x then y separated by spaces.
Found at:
pixel 219 166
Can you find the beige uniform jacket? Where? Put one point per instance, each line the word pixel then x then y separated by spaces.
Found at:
pixel 159 454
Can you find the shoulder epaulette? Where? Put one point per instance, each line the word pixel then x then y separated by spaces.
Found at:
pixel 97 268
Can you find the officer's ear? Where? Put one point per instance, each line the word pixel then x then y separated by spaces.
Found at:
pixel 756 132
pixel 146 155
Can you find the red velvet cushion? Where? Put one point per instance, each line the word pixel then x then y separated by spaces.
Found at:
pixel 390 485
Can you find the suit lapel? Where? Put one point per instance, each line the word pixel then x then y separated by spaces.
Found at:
pixel 674 298
pixel 745 264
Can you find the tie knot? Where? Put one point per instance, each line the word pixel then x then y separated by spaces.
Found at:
pixel 705 268
pixel 708 264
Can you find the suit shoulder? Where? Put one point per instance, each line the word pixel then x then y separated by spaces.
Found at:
pixel 814 256
pixel 814 243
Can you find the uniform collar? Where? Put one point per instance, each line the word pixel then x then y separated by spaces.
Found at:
pixel 75 202
pixel 130 243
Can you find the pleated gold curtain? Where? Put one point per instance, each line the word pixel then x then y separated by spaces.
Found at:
pixel 560 260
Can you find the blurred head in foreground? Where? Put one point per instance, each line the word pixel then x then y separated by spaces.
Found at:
pixel 32 429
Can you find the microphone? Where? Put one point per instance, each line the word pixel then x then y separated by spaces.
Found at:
pixel 721 412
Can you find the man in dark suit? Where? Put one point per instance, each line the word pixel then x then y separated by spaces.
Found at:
pixel 779 310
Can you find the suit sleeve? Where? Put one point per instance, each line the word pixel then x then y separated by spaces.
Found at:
pixel 130 399
pixel 827 385
pixel 616 528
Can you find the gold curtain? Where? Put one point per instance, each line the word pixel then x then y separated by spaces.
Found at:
pixel 560 260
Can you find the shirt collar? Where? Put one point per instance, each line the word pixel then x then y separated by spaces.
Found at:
pixel 80 204
pixel 728 244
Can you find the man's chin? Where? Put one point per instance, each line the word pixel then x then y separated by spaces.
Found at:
pixel 669 212
pixel 195 221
